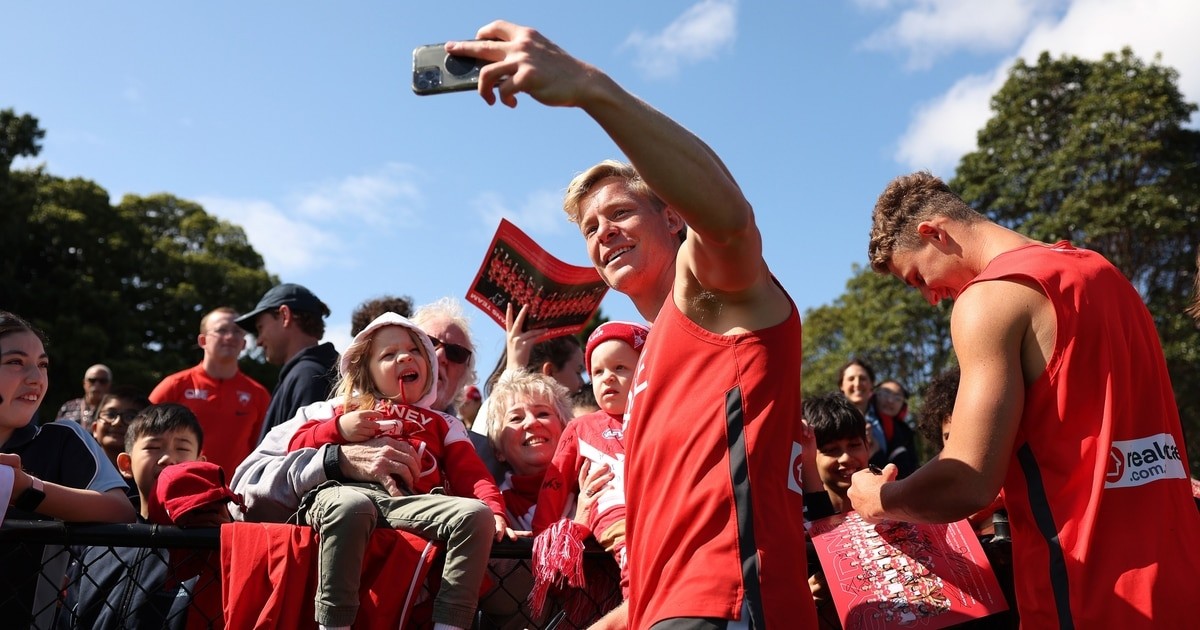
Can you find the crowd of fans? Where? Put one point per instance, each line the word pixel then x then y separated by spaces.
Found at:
pixel 693 465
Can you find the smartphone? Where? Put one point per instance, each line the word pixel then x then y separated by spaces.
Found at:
pixel 436 72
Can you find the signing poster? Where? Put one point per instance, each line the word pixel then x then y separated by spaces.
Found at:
pixel 902 575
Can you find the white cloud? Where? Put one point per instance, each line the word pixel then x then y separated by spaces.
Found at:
pixel 930 29
pixel 387 197
pixel 944 128
pixel 540 214
pixel 701 32
pixel 287 244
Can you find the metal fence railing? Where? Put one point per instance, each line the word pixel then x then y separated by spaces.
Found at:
pixel 55 575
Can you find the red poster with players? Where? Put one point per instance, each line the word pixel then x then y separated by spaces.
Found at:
pixel 903 575
pixel 561 297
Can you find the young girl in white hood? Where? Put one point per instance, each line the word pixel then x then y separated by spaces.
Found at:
pixel 388 379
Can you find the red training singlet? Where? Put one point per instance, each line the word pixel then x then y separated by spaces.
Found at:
pixel 1105 531
pixel 715 513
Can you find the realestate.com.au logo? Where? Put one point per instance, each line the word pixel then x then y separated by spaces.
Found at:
pixel 1139 462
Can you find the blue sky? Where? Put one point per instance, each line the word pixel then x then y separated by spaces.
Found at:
pixel 295 120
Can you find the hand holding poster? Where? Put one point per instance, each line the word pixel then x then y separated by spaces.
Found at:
pixel 902 575
pixel 561 297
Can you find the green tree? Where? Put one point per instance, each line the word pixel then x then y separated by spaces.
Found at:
pixel 20 136
pixel 125 285
pixel 881 321
pixel 1096 152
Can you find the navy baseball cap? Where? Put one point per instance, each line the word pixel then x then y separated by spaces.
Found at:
pixel 293 296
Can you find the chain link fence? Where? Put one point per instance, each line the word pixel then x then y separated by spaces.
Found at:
pixel 55 575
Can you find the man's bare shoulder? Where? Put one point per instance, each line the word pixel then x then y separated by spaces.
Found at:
pixel 1011 314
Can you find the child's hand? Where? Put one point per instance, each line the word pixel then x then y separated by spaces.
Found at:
pixel 502 529
pixel 592 484
pixel 360 425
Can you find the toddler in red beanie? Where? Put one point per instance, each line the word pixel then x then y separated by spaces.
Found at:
pixel 588 469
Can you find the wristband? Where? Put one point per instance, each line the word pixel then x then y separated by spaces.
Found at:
pixel 32 497
pixel 332 464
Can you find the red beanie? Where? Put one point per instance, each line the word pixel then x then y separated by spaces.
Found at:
pixel 187 486
pixel 631 333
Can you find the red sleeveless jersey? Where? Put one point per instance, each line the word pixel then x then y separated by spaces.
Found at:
pixel 1105 531
pixel 715 513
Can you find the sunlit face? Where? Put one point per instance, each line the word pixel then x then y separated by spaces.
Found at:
pixel 398 366
pixel 269 333
pixel 111 423
pixel 613 363
pixel 223 339
pixel 23 380
pixel 570 375
pixel 935 274
pixel 889 398
pixel 450 374
pixel 838 459
pixel 96 383
pixel 629 242
pixel 528 435
pixel 856 385
pixel 152 453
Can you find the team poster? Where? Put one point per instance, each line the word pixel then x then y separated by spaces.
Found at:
pixel 561 297
pixel 901 575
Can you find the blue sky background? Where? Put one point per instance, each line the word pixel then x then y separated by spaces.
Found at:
pixel 296 121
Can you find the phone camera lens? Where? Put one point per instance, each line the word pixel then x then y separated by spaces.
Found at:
pixel 427 78
pixel 459 66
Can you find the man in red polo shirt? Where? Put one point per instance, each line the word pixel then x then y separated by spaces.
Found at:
pixel 229 405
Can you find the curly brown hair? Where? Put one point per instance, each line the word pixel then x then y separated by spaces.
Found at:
pixel 908 200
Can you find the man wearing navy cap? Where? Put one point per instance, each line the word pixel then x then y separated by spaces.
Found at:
pixel 289 323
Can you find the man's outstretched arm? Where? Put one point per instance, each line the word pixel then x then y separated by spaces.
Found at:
pixel 677 165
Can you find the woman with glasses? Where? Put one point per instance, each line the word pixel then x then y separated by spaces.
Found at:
pixel 886 409
pixel 889 408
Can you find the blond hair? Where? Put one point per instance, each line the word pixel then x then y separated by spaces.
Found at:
pixel 526 385
pixel 585 181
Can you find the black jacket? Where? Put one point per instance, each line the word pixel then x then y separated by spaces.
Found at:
pixel 306 378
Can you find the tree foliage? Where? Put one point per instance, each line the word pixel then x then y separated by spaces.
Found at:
pixel 881 321
pixel 122 284
pixel 1096 152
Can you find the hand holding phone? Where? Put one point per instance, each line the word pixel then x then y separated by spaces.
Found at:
pixel 436 72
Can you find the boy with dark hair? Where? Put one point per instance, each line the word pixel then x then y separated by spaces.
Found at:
pixel 159 436
pixel 124 585
pixel 840 431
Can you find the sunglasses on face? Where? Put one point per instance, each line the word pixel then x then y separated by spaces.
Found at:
pixel 93 380
pixel 454 352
